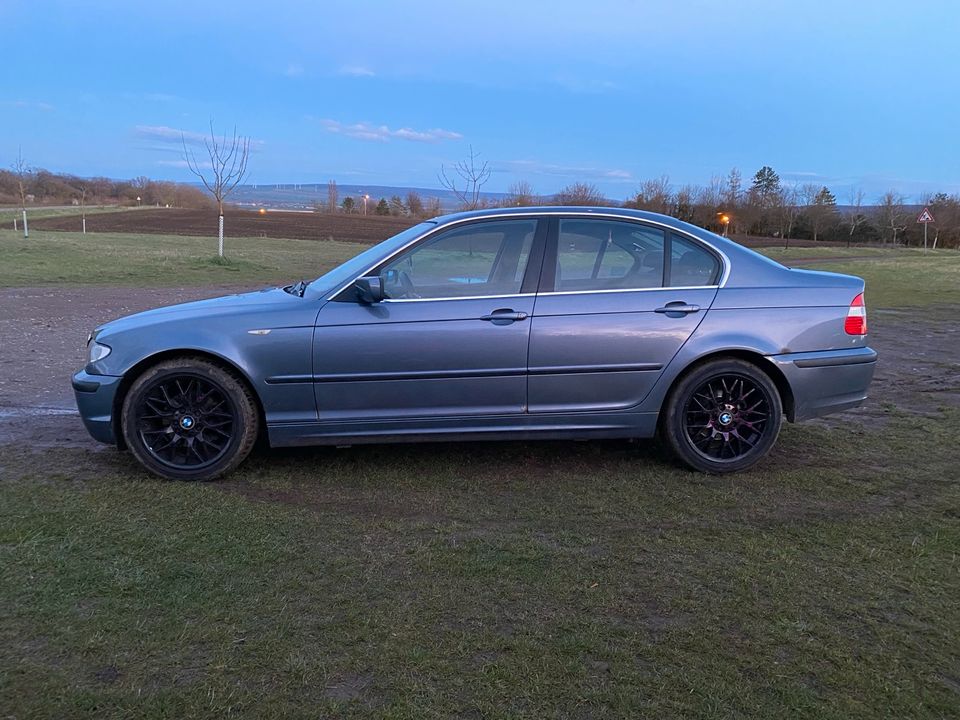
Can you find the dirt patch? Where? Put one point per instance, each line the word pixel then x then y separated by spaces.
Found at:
pixel 237 223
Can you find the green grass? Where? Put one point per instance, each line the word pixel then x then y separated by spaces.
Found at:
pixel 895 277
pixel 58 258
pixel 7 214
pixel 540 580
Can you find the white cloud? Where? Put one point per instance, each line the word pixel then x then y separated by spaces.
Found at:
pixel 355 71
pixel 382 133
pixel 294 70
pixel 30 105
pixel 166 134
pixel 535 167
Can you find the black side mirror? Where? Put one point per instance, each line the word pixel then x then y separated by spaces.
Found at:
pixel 369 289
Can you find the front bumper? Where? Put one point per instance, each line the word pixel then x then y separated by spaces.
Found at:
pixel 828 381
pixel 95 399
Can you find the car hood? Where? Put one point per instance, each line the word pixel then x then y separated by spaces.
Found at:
pixel 266 300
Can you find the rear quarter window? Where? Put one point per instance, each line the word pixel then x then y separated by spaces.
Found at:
pixel 692 265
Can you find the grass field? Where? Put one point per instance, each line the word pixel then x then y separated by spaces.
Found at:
pixel 516 580
pixel 61 258
pixel 7 214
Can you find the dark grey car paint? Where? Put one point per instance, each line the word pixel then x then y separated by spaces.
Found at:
pixel 586 364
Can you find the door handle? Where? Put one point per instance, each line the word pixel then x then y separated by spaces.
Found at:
pixel 502 317
pixel 681 308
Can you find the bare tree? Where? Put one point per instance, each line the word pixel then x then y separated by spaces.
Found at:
pixel 786 211
pixel 333 197
pixel 22 172
pixel 654 195
pixel 855 218
pixel 521 194
pixel 893 216
pixel 414 204
pixel 228 158
pixel 83 206
pixel 466 179
pixel 580 193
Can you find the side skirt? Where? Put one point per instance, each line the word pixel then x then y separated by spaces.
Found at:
pixel 574 426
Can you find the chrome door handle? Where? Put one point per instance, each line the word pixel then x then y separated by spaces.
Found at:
pixel 678 307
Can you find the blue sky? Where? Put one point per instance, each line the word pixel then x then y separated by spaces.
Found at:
pixel 845 93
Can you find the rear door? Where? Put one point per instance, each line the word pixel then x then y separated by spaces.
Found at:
pixel 617 301
pixel 451 338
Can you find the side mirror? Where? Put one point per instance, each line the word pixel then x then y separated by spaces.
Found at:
pixel 369 289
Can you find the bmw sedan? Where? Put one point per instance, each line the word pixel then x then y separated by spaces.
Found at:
pixel 524 323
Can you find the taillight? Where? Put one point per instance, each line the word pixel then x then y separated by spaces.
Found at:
pixel 856 322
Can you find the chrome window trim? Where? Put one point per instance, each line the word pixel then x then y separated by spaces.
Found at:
pixel 457 297
pixel 628 290
pixel 540 216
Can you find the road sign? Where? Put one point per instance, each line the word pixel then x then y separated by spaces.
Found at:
pixel 925 217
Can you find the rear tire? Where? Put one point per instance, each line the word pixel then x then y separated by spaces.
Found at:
pixel 189 419
pixel 722 417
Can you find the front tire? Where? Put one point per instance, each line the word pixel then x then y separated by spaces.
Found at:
pixel 189 419
pixel 723 417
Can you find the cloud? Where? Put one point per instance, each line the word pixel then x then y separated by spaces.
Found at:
pixel 166 134
pixel 294 70
pixel 355 71
pixel 535 167
pixel 30 105
pixel 382 133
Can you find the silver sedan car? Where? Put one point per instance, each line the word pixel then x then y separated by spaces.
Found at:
pixel 507 324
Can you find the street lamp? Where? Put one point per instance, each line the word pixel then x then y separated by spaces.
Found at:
pixel 365 198
pixel 725 221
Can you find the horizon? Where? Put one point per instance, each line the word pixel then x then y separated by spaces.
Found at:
pixel 860 95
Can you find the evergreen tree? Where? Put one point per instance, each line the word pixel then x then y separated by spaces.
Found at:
pixel 766 186
pixel 382 207
pixel 348 204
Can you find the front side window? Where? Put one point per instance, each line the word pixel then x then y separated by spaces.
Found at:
pixel 608 255
pixel 485 258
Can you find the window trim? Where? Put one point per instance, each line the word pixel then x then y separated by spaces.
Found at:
pixel 548 276
pixel 530 276
pixel 545 224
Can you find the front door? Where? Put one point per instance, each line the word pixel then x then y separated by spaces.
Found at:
pixel 451 337
pixel 617 302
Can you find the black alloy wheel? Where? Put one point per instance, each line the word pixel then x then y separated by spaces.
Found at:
pixel 723 416
pixel 189 419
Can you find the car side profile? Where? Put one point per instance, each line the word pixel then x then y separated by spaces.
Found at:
pixel 519 323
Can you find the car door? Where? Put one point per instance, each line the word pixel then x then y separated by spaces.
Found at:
pixel 449 339
pixel 617 301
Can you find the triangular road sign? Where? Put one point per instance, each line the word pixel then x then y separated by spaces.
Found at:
pixel 925 216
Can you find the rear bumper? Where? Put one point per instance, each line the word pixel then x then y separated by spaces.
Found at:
pixel 95 395
pixel 827 382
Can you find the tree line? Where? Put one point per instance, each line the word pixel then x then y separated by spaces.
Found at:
pixel 35 186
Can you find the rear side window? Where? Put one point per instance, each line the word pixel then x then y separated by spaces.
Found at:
pixel 608 255
pixel 691 265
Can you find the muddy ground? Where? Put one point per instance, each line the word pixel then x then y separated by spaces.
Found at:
pixel 43 333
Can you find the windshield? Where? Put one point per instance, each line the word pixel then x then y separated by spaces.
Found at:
pixel 351 269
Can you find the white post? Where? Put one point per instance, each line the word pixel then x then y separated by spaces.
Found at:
pixel 925 236
pixel 26 230
pixel 220 238
pixel 14 223
pixel 84 225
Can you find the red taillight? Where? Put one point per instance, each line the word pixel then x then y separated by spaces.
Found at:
pixel 856 322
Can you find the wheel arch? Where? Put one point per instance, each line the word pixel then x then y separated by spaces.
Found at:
pixel 141 366
pixel 757 359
